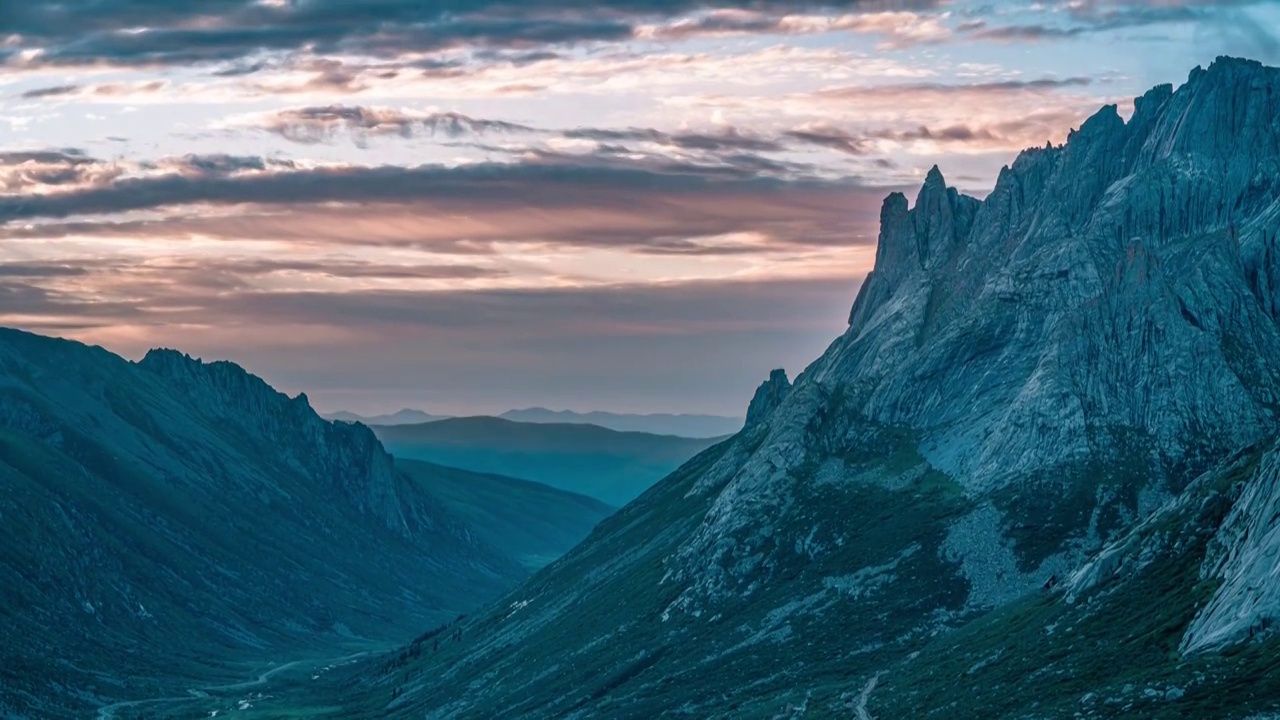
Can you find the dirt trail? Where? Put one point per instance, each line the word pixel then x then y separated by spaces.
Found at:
pixel 860 707
pixel 108 712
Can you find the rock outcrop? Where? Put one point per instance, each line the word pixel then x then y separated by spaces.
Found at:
pixel 1245 558
pixel 768 397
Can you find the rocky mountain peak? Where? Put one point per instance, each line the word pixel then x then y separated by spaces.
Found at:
pixel 1090 334
pixel 768 397
pixel 922 238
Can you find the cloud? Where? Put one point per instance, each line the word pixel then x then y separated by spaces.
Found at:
pixel 39 270
pixel 470 210
pixel 1031 130
pixel 146 33
pixel 1225 19
pixel 219 164
pixel 544 177
pixel 54 91
pixel 834 138
pixel 52 171
pixel 310 125
pixel 901 28
pixel 103 90
pixel 728 139
pixel 998 87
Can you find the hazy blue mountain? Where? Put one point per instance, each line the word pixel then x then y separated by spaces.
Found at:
pixel 529 521
pixel 406 416
pixel 167 523
pixel 612 467
pixel 1036 477
pixel 695 426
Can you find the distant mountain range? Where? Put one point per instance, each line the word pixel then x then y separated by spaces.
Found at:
pixel 171 523
pixel 400 417
pixel 692 426
pixel 613 467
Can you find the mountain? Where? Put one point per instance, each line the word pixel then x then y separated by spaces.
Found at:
pixel 693 426
pixel 171 524
pixel 612 467
pixel 406 416
pixel 1034 478
pixel 529 521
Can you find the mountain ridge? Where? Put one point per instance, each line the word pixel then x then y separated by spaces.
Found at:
pixel 609 465
pixel 166 517
pixel 689 425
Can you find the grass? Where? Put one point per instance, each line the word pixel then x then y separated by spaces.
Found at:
pixel 589 631
pixel 1041 657
pixel 532 522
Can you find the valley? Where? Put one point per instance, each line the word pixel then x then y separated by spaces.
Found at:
pixel 240 699
pixel 173 519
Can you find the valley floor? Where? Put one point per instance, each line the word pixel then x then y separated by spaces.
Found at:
pixel 263 696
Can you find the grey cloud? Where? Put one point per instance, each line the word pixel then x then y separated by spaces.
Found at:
pixel 240 68
pixel 658 206
pixel 1024 33
pixel 68 156
pixel 994 87
pixel 833 138
pixel 223 164
pixel 232 30
pixel 320 124
pixel 54 91
pixel 257 267
pixel 40 270
pixel 731 139
pixel 1225 19
pixel 1025 131
pixel 545 181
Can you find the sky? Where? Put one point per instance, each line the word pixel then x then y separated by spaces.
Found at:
pixel 466 206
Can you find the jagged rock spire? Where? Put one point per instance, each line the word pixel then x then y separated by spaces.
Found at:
pixel 768 397
pixel 921 239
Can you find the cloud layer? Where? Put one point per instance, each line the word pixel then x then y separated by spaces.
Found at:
pixel 639 204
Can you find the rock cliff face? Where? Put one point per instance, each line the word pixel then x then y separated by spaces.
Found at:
pixel 347 456
pixel 1069 350
pixel 1024 380
pixel 1245 558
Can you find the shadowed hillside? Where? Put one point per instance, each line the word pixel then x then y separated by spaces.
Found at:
pixel 613 467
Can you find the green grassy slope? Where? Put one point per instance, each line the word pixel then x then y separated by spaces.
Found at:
pixel 529 521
